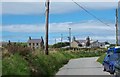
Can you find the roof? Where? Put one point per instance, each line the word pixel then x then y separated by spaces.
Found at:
pixel 81 41
pixel 35 41
pixel 94 42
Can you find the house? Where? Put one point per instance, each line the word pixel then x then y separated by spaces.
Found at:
pixel 78 43
pixel 87 43
pixel 97 44
pixel 35 43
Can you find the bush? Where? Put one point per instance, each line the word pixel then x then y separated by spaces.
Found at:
pixel 40 64
pixel 15 65
pixel 18 49
pixel 61 44
pixel 47 64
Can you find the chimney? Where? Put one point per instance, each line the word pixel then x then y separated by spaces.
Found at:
pixel 74 38
pixel 29 38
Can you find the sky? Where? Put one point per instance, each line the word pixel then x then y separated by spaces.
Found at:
pixel 23 19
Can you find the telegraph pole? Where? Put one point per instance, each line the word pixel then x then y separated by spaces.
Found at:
pixel 70 36
pixel 61 37
pixel 46 27
pixel 55 40
pixel 116 27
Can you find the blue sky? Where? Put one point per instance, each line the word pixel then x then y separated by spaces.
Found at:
pixel 23 19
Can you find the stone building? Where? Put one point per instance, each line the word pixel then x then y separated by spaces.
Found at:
pixel 87 43
pixel 35 43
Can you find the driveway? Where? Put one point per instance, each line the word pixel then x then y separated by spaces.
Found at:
pixel 82 66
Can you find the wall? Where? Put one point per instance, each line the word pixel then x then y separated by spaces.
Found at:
pixel 74 44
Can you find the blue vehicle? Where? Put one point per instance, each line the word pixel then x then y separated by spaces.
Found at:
pixel 117 68
pixel 110 59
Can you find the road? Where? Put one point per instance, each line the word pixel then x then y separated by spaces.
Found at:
pixel 82 66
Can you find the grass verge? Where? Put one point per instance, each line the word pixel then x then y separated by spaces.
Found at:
pixel 101 58
pixel 40 64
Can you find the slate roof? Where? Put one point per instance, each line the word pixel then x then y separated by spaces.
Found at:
pixel 35 41
pixel 81 41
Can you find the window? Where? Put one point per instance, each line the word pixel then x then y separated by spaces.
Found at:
pixel 114 57
pixel 118 50
pixel 36 43
pixel 33 44
pixel 29 43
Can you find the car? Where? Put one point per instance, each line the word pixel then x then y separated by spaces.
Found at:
pixel 110 59
pixel 117 68
pixel 114 50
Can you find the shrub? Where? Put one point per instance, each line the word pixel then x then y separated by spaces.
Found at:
pixel 15 65
pixel 61 44
pixel 40 64
pixel 18 49
pixel 47 64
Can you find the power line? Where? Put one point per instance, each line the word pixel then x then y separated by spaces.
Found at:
pixel 90 13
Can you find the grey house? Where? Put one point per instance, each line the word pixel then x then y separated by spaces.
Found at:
pixel 35 43
pixel 97 44
pixel 82 44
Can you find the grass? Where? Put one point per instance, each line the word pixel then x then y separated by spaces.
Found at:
pixel 0 67
pixel 40 64
pixel 101 58
pixel 15 65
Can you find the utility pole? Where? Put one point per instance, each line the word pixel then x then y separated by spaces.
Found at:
pixel 46 27
pixel 61 37
pixel 116 27
pixel 55 40
pixel 70 36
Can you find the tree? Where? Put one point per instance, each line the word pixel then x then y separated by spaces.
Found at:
pixel 61 44
pixel 107 42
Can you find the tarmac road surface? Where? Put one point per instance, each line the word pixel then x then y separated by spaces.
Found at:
pixel 82 66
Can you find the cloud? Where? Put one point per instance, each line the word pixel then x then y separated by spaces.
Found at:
pixel 22 8
pixel 92 28
pixel 0 9
pixel 55 7
pixel 23 28
pixel 86 26
pixel 60 0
